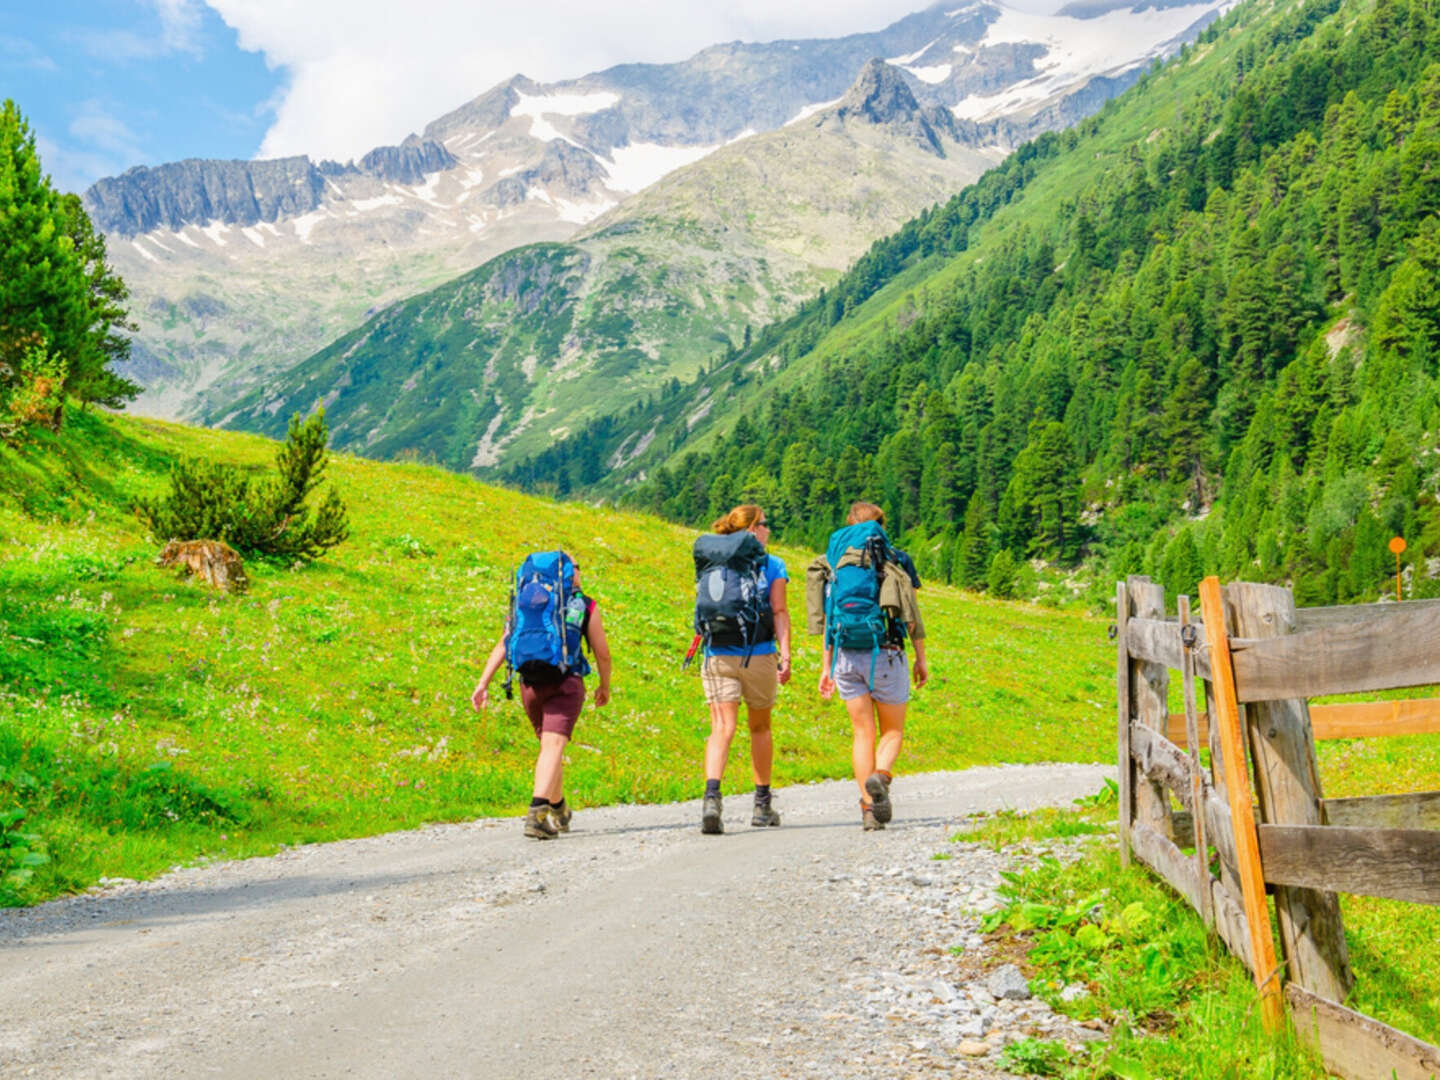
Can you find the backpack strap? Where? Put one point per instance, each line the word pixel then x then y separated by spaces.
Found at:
pixel 510 642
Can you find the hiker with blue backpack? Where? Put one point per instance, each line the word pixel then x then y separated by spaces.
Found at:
pixel 548 620
pixel 742 619
pixel 861 595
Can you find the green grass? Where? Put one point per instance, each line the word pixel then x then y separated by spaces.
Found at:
pixel 332 699
pixel 1391 945
pixel 1174 1002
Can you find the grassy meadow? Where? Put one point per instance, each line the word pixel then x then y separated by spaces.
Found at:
pixel 147 721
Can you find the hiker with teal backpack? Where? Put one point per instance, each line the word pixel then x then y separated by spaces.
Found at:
pixel 742 619
pixel 861 595
pixel 548 620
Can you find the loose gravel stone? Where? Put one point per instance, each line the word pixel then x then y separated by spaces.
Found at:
pixel 1007 982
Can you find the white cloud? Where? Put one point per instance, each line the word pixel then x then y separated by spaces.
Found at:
pixel 360 77
pixel 16 52
pixel 98 127
pixel 179 31
pixel 75 170
pixel 180 25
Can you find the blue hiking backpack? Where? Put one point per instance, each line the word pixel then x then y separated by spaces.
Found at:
pixel 854 618
pixel 547 620
pixel 732 604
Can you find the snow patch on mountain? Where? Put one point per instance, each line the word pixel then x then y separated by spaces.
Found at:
pixel 811 110
pixel 362 205
pixel 305 223
pixel 564 104
pixel 1078 49
pixel 538 107
pixel 937 74
pixel 910 58
pixel 639 165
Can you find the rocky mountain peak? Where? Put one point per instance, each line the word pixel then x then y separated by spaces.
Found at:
pixel 880 95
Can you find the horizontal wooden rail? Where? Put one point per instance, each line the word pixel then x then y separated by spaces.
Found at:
pixel 1347 720
pixel 1313 618
pixel 1401 649
pixel 1417 810
pixel 1401 864
pixel 1168 861
pixel 1159 642
pixel 1352 1044
pixel 1161 760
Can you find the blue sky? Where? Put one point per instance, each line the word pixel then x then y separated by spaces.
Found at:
pixel 107 84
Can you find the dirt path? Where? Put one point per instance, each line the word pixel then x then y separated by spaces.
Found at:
pixel 632 947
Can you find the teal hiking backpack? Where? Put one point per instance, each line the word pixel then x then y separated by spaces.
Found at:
pixel 854 618
pixel 547 619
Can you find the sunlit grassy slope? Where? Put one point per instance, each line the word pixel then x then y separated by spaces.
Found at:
pixel 150 720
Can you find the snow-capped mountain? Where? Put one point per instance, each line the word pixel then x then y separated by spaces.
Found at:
pixel 241 269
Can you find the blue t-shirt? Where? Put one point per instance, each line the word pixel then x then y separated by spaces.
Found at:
pixel 774 571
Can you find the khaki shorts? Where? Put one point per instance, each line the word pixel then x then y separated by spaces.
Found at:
pixel 758 685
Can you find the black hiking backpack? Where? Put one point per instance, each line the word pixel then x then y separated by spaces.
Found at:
pixel 732 605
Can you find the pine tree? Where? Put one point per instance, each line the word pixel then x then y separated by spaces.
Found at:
pixel 974 546
pixel 61 307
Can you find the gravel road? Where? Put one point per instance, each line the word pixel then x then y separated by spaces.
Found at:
pixel 633 947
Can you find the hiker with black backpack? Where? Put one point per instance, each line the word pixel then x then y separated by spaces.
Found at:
pixel 547 621
pixel 742 619
pixel 861 595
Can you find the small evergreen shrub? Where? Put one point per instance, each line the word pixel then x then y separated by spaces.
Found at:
pixel 212 501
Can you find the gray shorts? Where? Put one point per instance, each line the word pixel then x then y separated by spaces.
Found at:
pixel 891 684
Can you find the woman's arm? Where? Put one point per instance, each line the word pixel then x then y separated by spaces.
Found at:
pixel 921 672
pixel 827 684
pixel 481 696
pixel 600 646
pixel 781 611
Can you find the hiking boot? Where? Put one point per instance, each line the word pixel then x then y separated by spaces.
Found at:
pixel 560 817
pixel 878 788
pixel 710 816
pixel 538 824
pixel 868 821
pixel 765 814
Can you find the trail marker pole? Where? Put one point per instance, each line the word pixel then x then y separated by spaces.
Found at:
pixel 1397 545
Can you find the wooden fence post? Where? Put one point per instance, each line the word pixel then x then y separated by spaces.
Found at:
pixel 1149 689
pixel 1197 777
pixel 1122 699
pixel 1287 781
pixel 1226 718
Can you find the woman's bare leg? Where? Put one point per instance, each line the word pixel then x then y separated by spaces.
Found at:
pixel 550 766
pixel 892 734
pixel 862 750
pixel 762 744
pixel 724 716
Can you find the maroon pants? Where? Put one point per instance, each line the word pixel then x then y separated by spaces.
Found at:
pixel 554 708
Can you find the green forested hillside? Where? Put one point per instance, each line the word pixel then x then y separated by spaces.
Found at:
pixel 1198 333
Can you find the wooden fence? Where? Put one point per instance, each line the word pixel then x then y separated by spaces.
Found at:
pixel 1257 659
